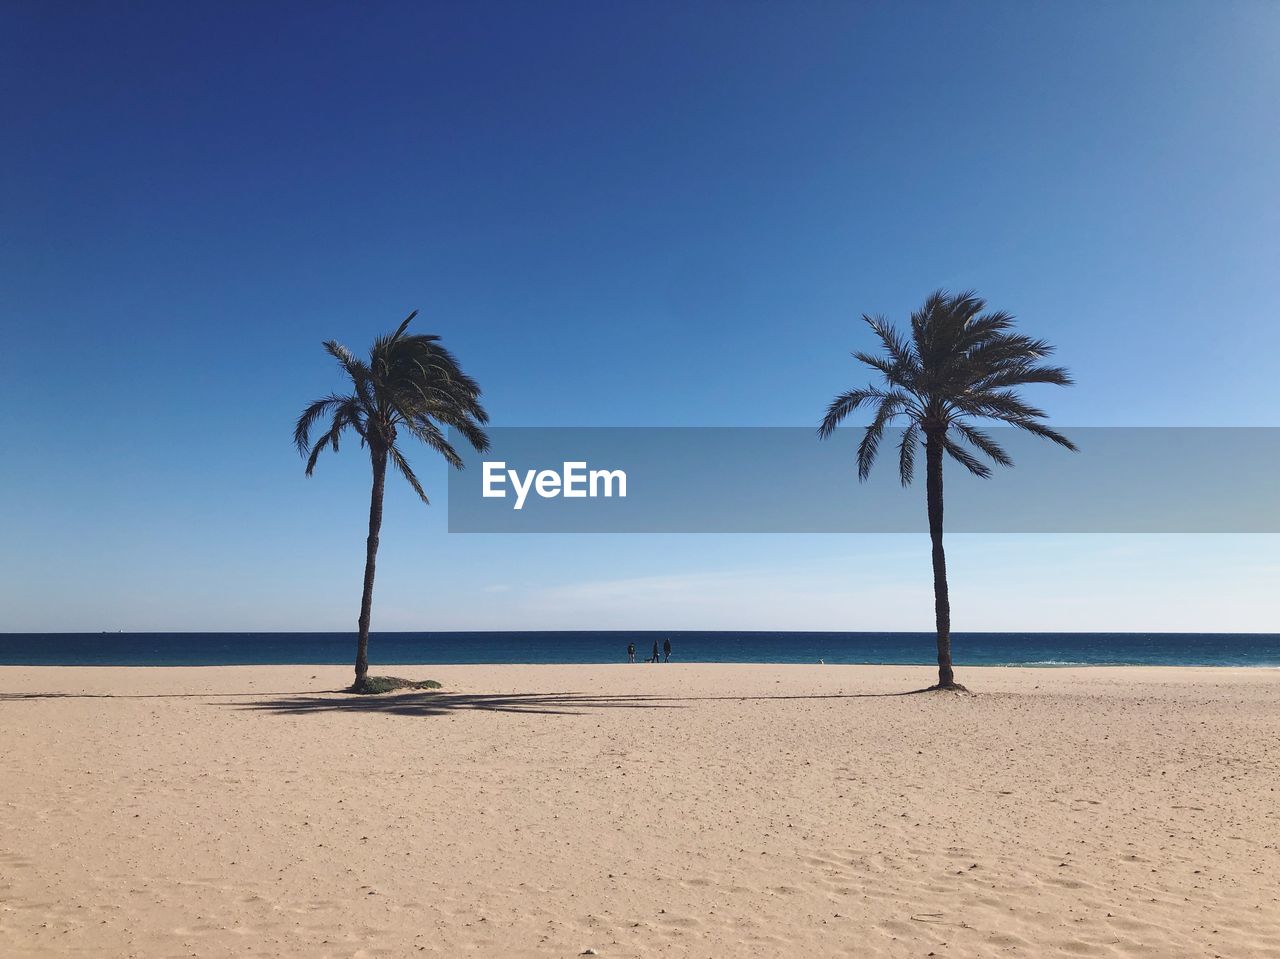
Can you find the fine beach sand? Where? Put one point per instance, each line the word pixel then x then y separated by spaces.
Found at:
pixel 674 810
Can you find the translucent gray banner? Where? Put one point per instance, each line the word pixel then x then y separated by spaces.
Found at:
pixel 784 480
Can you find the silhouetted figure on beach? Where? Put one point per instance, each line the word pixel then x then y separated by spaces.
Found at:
pixel 654 658
pixel 631 652
pixel 666 650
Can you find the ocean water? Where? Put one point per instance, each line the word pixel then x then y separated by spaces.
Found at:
pixel 968 649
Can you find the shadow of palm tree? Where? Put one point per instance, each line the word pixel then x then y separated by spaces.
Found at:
pixel 565 704
pixel 434 703
pixel 14 697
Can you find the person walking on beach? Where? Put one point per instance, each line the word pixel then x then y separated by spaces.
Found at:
pixel 654 658
pixel 631 652
pixel 666 650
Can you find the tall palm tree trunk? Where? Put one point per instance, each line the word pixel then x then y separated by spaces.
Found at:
pixel 941 600
pixel 379 457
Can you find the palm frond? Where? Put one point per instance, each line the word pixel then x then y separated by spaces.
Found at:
pixel 330 438
pixel 476 437
pixel 890 407
pixel 425 431
pixel 404 326
pixel 907 453
pixel 997 405
pixel 402 464
pixel 1024 374
pixel 302 431
pixel 891 371
pixel 982 441
pixel 350 363
pixel 843 405
pixel 965 458
pixel 1039 429
pixel 898 349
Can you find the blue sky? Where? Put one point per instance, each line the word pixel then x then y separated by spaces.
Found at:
pixel 615 214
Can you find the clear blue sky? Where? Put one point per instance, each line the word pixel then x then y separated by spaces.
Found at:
pixel 616 214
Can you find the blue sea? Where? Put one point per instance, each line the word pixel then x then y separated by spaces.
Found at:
pixel 969 649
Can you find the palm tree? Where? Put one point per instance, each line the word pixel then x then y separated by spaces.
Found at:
pixel 960 364
pixel 409 383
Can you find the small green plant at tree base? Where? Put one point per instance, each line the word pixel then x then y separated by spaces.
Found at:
pixel 373 685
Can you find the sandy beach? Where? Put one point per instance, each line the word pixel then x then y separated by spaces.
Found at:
pixel 674 810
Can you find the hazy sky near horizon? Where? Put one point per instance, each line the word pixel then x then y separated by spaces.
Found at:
pixel 615 214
